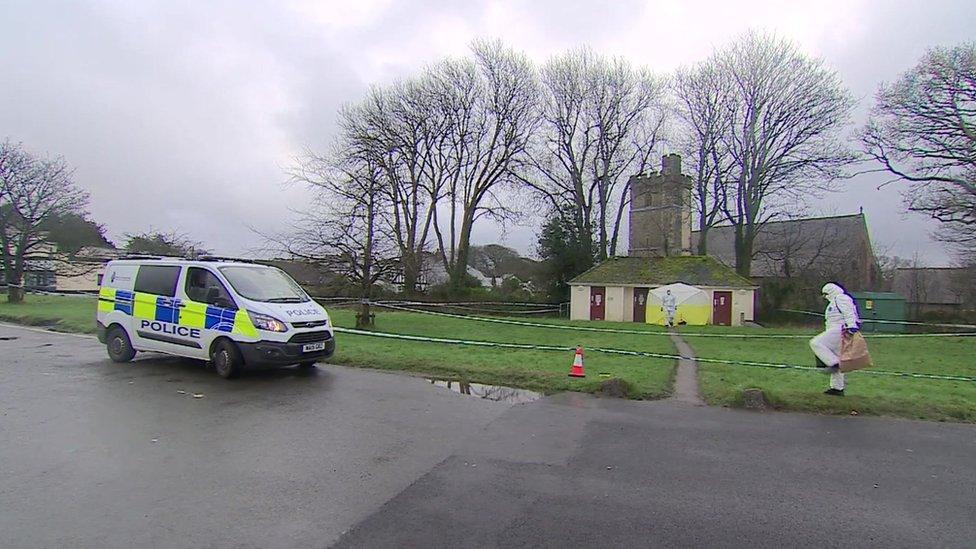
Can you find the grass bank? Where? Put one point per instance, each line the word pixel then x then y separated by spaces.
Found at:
pixel 544 371
pixel 530 369
pixel 866 394
pixel 74 314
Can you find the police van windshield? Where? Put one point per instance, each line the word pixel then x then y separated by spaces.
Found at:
pixel 266 284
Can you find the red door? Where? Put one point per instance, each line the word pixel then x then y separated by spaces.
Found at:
pixel 640 304
pixel 722 308
pixel 597 305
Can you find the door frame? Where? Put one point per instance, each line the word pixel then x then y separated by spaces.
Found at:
pixel 642 307
pixel 715 308
pixel 601 306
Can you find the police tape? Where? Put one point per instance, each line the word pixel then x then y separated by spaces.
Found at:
pixel 388 305
pixel 478 308
pixel 78 293
pixel 645 354
pixel 895 322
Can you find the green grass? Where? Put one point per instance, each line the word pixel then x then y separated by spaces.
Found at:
pixel 865 393
pixel 544 371
pixel 61 313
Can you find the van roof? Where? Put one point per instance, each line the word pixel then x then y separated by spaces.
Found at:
pixel 200 262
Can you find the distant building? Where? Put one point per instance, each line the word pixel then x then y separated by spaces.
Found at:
pixel 314 277
pixel 936 290
pixel 660 212
pixel 660 247
pixel 834 248
pixel 39 270
pixel 617 289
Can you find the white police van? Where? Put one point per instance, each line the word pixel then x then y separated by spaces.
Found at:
pixel 235 314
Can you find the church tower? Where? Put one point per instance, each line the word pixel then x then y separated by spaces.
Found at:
pixel 660 211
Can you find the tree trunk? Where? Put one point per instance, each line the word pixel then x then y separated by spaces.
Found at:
pixel 15 294
pixel 364 318
pixel 411 273
pixel 743 252
pixel 586 235
pixel 703 240
pixel 460 270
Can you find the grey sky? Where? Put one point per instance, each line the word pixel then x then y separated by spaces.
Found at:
pixel 183 115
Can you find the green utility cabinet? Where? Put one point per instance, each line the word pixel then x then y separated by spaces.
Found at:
pixel 881 306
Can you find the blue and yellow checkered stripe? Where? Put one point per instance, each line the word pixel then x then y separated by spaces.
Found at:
pixel 175 311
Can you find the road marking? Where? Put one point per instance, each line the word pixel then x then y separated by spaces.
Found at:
pixel 43 331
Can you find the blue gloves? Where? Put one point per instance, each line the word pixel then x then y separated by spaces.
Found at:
pixel 852 330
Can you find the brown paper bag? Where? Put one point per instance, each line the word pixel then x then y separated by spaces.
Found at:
pixel 854 353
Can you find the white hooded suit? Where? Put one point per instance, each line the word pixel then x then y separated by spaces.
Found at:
pixel 670 306
pixel 841 313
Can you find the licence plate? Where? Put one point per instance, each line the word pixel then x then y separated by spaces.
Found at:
pixel 311 347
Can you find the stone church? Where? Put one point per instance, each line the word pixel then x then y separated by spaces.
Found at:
pixel 660 254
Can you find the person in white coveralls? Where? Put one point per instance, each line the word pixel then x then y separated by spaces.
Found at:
pixel 669 306
pixel 840 318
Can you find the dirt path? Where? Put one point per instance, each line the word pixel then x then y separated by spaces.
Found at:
pixel 686 378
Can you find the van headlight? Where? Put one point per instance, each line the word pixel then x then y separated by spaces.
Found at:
pixel 267 323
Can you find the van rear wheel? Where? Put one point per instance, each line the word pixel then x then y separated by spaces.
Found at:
pixel 119 346
pixel 227 359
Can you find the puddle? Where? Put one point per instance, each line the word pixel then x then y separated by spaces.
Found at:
pixel 8 338
pixel 488 392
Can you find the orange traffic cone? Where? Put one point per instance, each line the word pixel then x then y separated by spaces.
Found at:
pixel 577 370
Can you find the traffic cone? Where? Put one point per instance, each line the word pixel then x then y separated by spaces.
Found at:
pixel 577 370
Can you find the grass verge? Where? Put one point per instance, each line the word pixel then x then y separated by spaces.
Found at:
pixel 544 371
pixel 74 314
pixel 865 394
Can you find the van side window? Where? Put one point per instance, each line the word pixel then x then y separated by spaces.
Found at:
pixel 203 286
pixel 157 279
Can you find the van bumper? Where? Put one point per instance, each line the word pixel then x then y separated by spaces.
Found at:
pixel 274 353
pixel 100 332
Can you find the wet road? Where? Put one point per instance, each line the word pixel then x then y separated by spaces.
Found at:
pixel 97 454
pixel 288 460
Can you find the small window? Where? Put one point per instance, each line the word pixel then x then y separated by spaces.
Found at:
pixel 203 286
pixel 157 279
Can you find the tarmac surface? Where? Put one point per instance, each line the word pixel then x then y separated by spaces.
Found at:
pixel 96 454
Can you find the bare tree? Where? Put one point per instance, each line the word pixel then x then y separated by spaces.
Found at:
pixel 922 130
pixel 888 266
pixel 489 105
pixel 400 130
pixel 783 136
pixel 602 122
pixel 171 243
pixel 803 250
pixel 32 190
pixel 918 285
pixel 345 229
pixel 705 97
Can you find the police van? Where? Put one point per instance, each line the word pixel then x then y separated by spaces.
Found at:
pixel 234 314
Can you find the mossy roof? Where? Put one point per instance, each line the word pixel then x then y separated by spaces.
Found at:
pixel 657 271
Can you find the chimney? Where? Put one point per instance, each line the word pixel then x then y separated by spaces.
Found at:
pixel 671 164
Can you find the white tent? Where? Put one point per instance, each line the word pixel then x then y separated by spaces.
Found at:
pixel 694 305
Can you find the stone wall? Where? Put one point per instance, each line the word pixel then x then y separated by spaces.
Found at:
pixel 660 211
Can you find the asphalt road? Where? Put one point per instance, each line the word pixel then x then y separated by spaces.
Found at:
pixel 368 459
pixel 97 454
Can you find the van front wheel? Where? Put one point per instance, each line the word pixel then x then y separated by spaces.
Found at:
pixel 227 359
pixel 119 346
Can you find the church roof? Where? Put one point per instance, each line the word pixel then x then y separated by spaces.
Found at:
pixel 657 271
pixel 803 242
